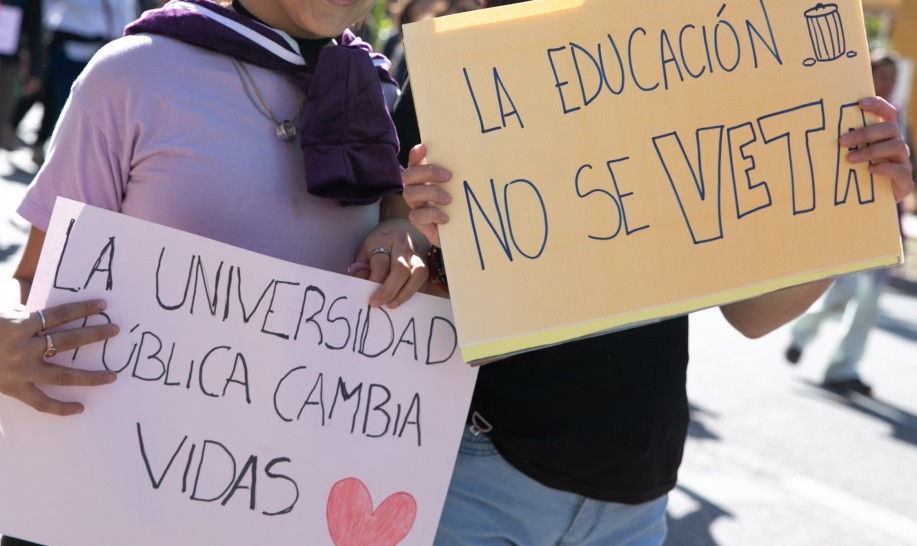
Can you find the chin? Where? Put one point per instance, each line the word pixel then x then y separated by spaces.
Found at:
pixel 327 28
pixel 336 15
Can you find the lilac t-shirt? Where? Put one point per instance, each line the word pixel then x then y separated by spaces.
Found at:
pixel 164 131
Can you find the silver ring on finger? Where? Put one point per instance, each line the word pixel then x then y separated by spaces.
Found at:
pixel 44 323
pixel 380 250
pixel 50 349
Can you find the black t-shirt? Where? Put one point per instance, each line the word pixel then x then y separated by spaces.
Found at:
pixel 605 417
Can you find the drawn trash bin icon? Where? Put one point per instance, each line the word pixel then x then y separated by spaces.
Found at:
pixel 826 33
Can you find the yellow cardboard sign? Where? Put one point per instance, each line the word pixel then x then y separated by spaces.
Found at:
pixel 619 161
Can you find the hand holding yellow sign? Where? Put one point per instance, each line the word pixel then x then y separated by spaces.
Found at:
pixel 619 162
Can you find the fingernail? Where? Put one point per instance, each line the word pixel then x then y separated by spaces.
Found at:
pixel 845 139
pixel 101 305
pixel 110 377
pixel 356 267
pixel 443 173
pixel 868 101
pixel 392 304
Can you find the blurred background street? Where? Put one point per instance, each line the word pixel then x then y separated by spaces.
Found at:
pixel 772 458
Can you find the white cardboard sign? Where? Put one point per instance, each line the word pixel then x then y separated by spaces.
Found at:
pixel 258 401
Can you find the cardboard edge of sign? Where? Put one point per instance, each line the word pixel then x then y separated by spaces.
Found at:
pixel 489 16
pixel 493 350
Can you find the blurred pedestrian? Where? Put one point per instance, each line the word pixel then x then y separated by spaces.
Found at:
pixel 76 30
pixel 22 43
pixel 854 299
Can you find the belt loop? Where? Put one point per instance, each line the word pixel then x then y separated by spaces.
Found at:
pixel 479 425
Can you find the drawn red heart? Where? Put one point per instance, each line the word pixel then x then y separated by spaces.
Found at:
pixel 353 522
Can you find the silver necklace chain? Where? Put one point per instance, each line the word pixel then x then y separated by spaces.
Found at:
pixel 286 129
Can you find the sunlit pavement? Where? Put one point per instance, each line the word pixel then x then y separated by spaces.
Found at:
pixel 774 459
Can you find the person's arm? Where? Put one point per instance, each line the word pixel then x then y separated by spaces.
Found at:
pixel 763 314
pixel 32 28
pixel 398 263
pixel 23 343
pixel 25 269
pixel 882 146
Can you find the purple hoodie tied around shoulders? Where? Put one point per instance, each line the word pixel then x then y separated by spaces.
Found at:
pixel 349 143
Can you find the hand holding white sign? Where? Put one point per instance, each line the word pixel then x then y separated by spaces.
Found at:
pixel 256 398
pixel 25 340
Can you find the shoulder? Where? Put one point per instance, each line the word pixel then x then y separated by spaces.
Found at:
pixel 142 53
pixel 134 66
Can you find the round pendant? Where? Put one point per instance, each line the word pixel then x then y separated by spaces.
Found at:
pixel 286 131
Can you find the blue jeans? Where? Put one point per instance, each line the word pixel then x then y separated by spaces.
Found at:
pixel 491 503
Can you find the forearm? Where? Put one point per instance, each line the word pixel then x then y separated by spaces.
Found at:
pixel 763 314
pixel 393 207
pixel 16 290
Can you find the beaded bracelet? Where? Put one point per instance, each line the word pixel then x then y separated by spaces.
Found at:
pixel 437 267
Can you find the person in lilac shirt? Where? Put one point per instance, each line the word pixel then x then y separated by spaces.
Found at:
pixel 261 124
